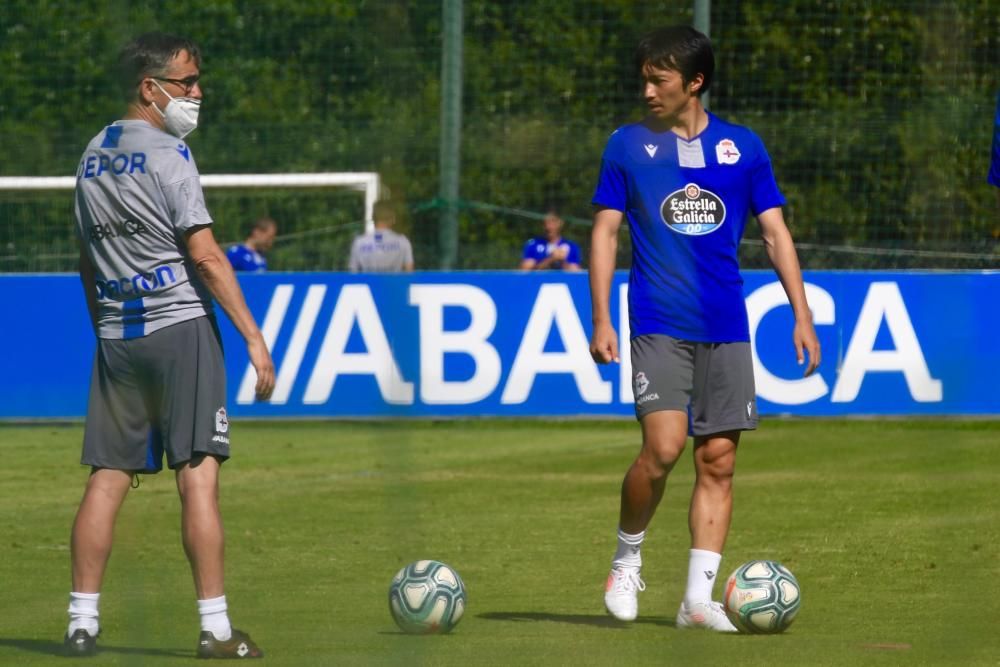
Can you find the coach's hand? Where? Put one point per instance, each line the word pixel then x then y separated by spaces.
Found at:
pixel 804 338
pixel 262 363
pixel 604 343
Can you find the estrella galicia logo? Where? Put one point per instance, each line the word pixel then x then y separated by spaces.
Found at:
pixel 693 211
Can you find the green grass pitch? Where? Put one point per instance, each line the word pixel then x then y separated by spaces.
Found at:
pixel 892 528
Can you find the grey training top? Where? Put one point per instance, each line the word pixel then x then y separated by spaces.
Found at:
pixel 380 251
pixel 137 193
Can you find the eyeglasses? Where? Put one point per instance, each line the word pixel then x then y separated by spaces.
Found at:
pixel 187 83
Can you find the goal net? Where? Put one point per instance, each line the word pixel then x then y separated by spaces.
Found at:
pixel 318 214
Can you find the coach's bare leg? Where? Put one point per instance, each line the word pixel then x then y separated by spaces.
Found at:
pixel 712 499
pixel 94 527
pixel 664 434
pixel 201 524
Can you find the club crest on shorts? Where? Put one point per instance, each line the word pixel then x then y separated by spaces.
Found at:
pixel 641 383
pixel 693 211
pixel 221 421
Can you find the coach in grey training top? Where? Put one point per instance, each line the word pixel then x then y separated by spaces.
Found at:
pixel 150 268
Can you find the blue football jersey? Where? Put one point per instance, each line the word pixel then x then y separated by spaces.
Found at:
pixel 539 249
pixel 687 203
pixel 244 258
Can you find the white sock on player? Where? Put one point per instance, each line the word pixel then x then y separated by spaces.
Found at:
pixel 703 569
pixel 628 549
pixel 214 617
pixel 83 613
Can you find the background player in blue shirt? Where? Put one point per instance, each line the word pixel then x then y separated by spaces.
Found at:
pixel 686 181
pixel 250 255
pixel 551 250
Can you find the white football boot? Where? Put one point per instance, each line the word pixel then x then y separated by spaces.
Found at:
pixel 621 594
pixel 708 615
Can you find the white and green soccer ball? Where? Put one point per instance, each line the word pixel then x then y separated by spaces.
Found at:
pixel 427 597
pixel 762 597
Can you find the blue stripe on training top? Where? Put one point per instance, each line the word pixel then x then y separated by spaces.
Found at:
pixel 133 318
pixel 111 136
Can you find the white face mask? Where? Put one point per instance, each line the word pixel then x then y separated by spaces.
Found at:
pixel 181 115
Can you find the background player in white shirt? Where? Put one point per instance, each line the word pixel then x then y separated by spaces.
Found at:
pixel 383 250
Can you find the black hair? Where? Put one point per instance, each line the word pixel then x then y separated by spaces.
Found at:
pixel 263 224
pixel 150 54
pixel 680 48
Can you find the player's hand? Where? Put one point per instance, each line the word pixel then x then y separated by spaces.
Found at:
pixel 262 363
pixel 604 344
pixel 804 339
pixel 560 253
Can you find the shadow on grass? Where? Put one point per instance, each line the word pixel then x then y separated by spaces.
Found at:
pixel 597 620
pixel 47 647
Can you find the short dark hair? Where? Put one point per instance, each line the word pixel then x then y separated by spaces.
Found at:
pixel 383 209
pixel 680 48
pixel 150 54
pixel 263 224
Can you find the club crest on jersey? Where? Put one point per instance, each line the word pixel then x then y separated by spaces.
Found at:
pixel 693 211
pixel 727 152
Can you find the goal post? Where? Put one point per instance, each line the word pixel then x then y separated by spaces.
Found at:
pixel 369 183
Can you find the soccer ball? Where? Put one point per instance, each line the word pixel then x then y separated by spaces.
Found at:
pixel 427 597
pixel 762 596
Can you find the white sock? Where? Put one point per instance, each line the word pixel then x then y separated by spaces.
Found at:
pixel 214 617
pixel 703 569
pixel 83 613
pixel 628 549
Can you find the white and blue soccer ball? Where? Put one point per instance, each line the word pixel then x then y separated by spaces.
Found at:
pixel 762 597
pixel 427 597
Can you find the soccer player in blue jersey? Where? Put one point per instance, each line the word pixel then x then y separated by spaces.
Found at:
pixel 551 250
pixel 250 255
pixel 686 181
pixel 150 268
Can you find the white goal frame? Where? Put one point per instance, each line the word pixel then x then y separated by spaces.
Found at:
pixel 367 182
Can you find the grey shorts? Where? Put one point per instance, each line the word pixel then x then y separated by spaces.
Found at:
pixel 711 382
pixel 161 393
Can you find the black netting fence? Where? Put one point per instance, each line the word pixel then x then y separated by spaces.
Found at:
pixel 877 115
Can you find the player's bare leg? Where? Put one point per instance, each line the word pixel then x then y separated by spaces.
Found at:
pixel 93 528
pixel 708 519
pixel 712 498
pixel 90 548
pixel 664 434
pixel 204 544
pixel 201 524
